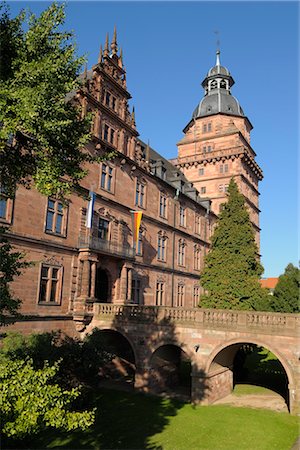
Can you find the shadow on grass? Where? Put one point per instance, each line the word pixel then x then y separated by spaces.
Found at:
pixel 123 421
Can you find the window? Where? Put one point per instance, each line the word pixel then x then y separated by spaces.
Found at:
pixel 112 136
pixel 198 224
pixel 139 250
pixel 201 171
pixel 140 194
pixel 113 103
pixel 162 205
pixel 50 284
pixel 180 295
pixel 107 99
pixel 160 293
pixel 206 127
pixel 6 206
pixel 56 217
pixel 196 296
pixel 3 203
pixel 182 217
pixel 135 290
pixel 105 132
pixel 221 187
pixel 181 252
pixel 203 190
pixel 226 188
pixel 206 149
pixel 161 248
pixel 223 168
pixel 197 257
pixel 106 177
pixel 103 228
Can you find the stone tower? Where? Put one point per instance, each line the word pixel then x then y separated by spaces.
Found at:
pixel 216 145
pixel 105 94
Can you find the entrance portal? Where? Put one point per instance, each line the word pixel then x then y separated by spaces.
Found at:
pixel 102 286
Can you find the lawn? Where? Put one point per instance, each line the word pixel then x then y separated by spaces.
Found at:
pixel 136 421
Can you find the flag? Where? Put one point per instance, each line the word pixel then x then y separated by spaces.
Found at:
pixel 89 215
pixel 136 223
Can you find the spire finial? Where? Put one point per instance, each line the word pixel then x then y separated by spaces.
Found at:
pixel 133 116
pixel 106 49
pixel 218 48
pixel 100 55
pixel 114 46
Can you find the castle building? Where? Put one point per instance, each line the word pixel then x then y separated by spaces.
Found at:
pixel 75 266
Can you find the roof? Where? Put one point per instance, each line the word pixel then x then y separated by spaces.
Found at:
pixel 269 283
pixel 174 177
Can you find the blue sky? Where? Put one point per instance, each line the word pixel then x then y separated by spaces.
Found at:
pixel 168 48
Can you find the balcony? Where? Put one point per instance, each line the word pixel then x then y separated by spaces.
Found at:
pixel 106 247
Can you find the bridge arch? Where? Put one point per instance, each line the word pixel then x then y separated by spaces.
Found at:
pixel 251 340
pixel 220 363
pixel 170 369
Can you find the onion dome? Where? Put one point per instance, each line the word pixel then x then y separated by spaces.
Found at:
pixel 218 98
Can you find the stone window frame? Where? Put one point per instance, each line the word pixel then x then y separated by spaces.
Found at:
pixel 109 179
pixel 196 295
pixel 163 207
pixel 181 254
pixel 160 292
pixel 182 215
pixel 197 257
pixel 201 171
pixel 9 205
pixel 140 244
pixel 224 168
pixel 203 190
pixel 107 132
pixel 180 294
pixel 97 219
pixel 56 213
pixel 162 246
pixel 58 294
pixel 140 195
pixel 136 290
pixel 198 224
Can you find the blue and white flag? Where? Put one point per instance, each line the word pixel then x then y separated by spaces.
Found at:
pixel 89 216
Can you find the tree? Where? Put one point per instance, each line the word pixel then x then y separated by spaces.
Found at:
pixel 286 292
pixel 232 269
pixel 31 402
pixel 41 135
pixel 11 265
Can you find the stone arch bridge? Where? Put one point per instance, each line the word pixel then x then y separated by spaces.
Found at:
pixel 209 338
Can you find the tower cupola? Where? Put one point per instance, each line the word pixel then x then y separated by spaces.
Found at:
pixel 218 97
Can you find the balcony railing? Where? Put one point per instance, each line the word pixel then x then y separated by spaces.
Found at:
pixel 250 321
pixel 107 247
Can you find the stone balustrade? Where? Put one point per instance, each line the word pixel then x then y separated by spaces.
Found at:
pixel 287 324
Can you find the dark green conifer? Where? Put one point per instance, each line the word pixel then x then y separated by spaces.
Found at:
pixel 286 293
pixel 232 269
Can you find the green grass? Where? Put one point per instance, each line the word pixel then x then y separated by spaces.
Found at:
pixel 248 389
pixel 135 421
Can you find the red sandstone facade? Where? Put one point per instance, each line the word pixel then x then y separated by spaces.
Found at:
pixel 75 266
